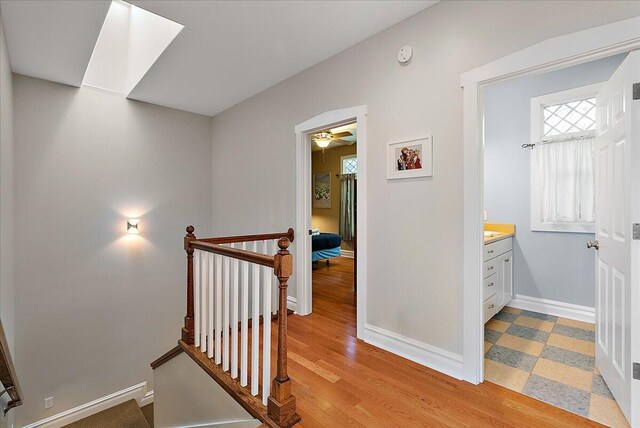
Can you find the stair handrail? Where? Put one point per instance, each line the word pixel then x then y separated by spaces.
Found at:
pixel 8 376
pixel 281 404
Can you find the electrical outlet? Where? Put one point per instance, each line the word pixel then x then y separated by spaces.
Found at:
pixel 48 403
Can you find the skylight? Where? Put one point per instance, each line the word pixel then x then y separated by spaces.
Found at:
pixel 130 42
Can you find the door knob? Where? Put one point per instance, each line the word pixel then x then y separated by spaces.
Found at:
pixel 593 244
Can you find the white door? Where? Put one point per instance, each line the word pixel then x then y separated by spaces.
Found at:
pixel 617 207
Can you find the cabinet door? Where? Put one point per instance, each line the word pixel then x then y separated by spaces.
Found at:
pixel 507 278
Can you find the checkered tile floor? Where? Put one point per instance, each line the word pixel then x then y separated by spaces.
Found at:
pixel 551 359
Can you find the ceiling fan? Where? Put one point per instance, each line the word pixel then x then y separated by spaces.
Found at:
pixel 326 137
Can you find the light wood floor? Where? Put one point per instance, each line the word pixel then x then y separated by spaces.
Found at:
pixel 340 381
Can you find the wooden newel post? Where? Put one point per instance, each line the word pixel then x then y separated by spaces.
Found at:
pixel 187 330
pixel 281 403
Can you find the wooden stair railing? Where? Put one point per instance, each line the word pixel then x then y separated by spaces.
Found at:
pixel 8 375
pixel 218 278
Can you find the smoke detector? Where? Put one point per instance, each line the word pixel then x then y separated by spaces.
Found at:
pixel 405 54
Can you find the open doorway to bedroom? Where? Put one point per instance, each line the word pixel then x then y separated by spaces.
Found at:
pixel 334 169
pixel 325 128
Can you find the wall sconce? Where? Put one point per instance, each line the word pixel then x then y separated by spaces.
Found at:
pixel 132 225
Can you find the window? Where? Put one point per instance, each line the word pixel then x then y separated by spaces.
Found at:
pixel 562 164
pixel 566 118
pixel 349 164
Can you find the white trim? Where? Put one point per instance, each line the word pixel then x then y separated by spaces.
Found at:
pixel 540 226
pixel 552 54
pixel 473 231
pixel 302 250
pixel 147 399
pixel 553 307
pixel 347 253
pixel 560 52
pixel 292 303
pixel 137 392
pixel 537 104
pixel 433 357
pixel 227 424
pixel 566 96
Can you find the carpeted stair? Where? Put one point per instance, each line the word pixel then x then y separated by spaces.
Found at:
pixel 125 415
pixel 148 413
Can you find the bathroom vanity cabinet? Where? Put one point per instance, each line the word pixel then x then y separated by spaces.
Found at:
pixel 497 290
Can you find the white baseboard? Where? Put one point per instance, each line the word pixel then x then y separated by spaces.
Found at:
pixel 137 392
pixel 433 357
pixel 347 253
pixel 292 303
pixel 147 399
pixel 247 423
pixel 552 307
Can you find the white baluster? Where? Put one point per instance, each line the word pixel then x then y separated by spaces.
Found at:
pixel 210 331
pixel 204 305
pixel 196 297
pixel 205 310
pixel 255 324
pixel 234 318
pixel 244 334
pixel 266 327
pixel 225 317
pixel 218 327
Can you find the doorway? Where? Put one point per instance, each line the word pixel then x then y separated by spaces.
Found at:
pixel 334 172
pixel 616 138
pixel 539 277
pixel 325 127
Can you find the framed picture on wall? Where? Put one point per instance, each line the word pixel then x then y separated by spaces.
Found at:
pixel 411 158
pixel 322 190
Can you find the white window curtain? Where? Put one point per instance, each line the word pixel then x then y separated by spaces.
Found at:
pixel 566 174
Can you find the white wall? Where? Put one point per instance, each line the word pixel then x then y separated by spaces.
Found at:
pixel 414 264
pixel 547 265
pixel 7 314
pixel 94 306
pixel 185 396
pixel 6 190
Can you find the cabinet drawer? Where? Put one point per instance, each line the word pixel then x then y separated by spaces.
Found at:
pixel 490 286
pixel 489 308
pixel 496 248
pixel 490 267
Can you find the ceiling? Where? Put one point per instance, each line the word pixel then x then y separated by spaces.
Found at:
pixel 52 40
pixel 227 52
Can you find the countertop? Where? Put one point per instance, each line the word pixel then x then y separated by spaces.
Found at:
pixel 503 231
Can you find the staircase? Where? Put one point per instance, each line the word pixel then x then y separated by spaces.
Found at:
pixel 234 284
pixel 219 374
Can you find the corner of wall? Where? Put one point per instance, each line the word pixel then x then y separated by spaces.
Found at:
pixel 7 288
